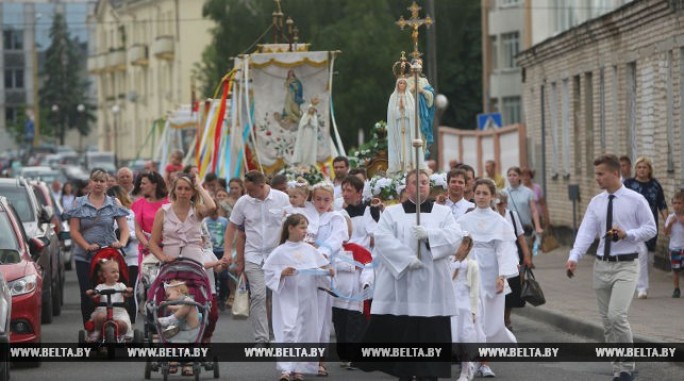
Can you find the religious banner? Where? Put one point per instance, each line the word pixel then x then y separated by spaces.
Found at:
pixel 291 97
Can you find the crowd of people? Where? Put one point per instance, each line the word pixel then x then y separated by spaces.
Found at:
pixel 329 256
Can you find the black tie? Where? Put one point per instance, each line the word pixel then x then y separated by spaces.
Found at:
pixel 609 225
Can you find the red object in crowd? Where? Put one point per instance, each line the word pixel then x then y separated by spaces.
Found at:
pixel 361 255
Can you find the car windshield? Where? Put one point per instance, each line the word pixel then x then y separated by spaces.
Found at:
pixel 9 247
pixel 48 176
pixel 19 198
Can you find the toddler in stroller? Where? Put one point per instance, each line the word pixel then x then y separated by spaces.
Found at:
pixel 184 323
pixel 178 305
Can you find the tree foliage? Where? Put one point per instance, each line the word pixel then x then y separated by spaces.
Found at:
pixel 370 42
pixel 65 85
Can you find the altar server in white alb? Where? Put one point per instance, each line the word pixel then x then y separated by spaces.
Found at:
pixel 293 271
pixel 413 299
pixel 465 327
pixel 495 251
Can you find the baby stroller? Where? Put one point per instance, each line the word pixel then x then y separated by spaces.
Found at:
pixel 149 269
pixel 193 275
pixel 109 330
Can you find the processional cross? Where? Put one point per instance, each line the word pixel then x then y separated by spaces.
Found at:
pixel 416 67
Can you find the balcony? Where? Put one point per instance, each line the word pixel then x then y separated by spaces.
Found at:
pixel 138 55
pixel 163 48
pixel 116 60
pixel 95 64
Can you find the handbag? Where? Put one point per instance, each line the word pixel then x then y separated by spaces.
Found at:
pixel 549 241
pixel 241 301
pixel 531 291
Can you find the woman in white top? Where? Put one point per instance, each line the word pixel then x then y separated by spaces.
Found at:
pixel 495 252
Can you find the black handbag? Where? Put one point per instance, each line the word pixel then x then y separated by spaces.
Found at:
pixel 531 291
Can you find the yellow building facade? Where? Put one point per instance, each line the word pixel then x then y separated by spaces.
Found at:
pixel 143 56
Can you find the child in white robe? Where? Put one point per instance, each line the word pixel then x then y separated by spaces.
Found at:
pixel 299 194
pixel 293 272
pixel 465 327
pixel 332 233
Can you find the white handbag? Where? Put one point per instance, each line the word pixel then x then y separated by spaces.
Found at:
pixel 241 300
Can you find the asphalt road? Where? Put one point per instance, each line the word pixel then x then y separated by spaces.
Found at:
pixel 65 329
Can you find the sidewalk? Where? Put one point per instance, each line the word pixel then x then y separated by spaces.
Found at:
pixel 571 303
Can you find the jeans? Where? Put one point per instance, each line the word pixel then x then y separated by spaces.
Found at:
pixel 84 284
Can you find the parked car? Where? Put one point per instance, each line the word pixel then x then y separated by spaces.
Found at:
pixel 36 222
pixel 47 202
pixel 23 275
pixel 74 173
pixel 46 174
pixel 5 324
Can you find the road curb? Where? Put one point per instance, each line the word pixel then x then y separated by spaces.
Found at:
pixel 576 325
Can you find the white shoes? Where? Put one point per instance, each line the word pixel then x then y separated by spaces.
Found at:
pixel 642 295
pixel 467 371
pixel 486 372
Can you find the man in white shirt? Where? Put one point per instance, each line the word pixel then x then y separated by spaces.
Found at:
pixel 260 211
pixel 622 220
pixel 456 180
pixel 341 169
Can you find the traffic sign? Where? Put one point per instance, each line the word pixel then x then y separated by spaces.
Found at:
pixel 489 120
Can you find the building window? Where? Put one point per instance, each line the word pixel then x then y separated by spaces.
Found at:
pixel 602 109
pixel 12 39
pixel 565 15
pixel 589 121
pixel 11 115
pixel 493 105
pixel 508 3
pixel 14 78
pixel 670 115
pixel 632 108
pixel 493 53
pixel 512 110
pixel 510 43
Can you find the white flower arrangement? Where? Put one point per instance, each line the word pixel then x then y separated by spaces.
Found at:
pixel 439 180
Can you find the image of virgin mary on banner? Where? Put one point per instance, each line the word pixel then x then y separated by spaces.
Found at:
pixel 290 91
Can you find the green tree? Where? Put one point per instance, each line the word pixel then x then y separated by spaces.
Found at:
pixel 370 42
pixel 65 85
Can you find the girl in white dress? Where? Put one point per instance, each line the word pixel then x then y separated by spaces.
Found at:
pixel 299 194
pixel 465 327
pixel 332 233
pixel 495 252
pixel 287 272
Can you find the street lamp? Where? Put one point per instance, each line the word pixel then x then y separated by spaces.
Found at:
pixel 441 104
pixel 115 112
pixel 81 109
pixel 55 118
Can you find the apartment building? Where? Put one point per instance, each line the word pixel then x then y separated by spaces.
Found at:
pixel 25 26
pixel 614 84
pixel 511 26
pixel 143 58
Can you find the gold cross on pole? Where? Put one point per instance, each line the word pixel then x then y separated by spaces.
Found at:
pixel 414 23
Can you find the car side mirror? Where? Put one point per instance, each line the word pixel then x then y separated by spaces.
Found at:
pixel 46 214
pixel 36 246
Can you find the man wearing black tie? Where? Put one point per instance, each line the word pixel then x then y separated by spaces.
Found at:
pixel 622 220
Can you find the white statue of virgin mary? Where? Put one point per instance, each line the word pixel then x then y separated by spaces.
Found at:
pixel 401 116
pixel 306 146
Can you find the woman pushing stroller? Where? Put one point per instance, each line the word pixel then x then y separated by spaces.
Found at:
pixel 178 224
